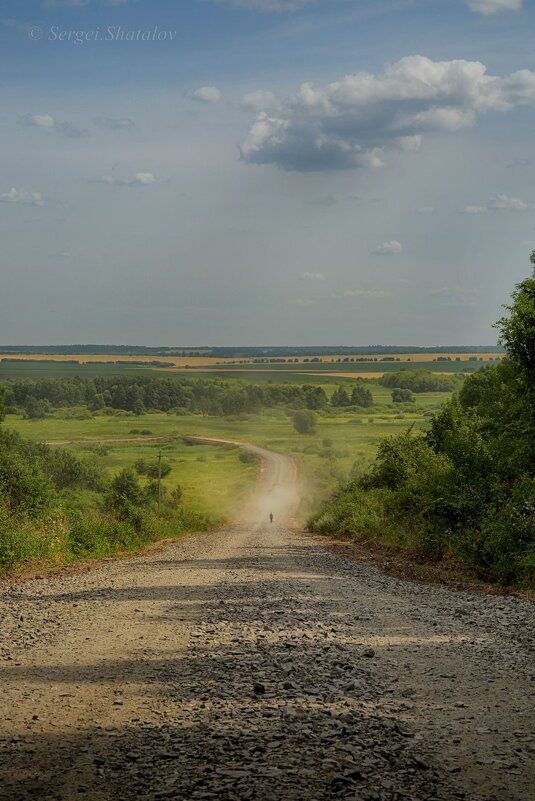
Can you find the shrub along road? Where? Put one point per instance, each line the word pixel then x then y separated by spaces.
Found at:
pixel 253 663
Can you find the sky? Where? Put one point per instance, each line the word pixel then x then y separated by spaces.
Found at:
pixel 264 172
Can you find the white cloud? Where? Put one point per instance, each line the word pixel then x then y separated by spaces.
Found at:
pixel 272 6
pixel 427 210
pixel 48 122
pixel 22 197
pixel 259 101
pixel 499 202
pixel 114 123
pixel 312 276
pixel 38 120
pixel 357 121
pixel 139 179
pixel 207 94
pixel 490 7
pixel 388 248
pixel 506 203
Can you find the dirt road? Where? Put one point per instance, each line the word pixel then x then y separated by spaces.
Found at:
pixel 253 663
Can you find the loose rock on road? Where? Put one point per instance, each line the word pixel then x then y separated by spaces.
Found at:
pixel 253 663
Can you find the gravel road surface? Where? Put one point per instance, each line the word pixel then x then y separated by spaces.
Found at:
pixel 254 663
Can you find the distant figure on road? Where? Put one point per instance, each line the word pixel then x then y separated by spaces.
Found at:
pixel 271 517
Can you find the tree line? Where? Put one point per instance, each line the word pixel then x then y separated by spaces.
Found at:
pixel 37 397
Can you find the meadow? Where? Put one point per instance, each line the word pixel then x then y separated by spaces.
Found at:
pixel 214 479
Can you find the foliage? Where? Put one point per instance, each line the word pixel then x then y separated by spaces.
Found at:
pixel 152 469
pixel 420 381
pixel 517 330
pixel 402 396
pixel 340 397
pixel 466 489
pixel 211 396
pixel 304 421
pixel 361 396
pixel 248 457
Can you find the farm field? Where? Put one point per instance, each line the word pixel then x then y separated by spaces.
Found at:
pixel 13 366
pixel 214 479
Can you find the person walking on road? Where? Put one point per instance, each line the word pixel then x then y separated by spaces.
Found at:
pixel 271 517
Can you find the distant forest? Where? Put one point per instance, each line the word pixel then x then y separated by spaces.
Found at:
pixel 241 352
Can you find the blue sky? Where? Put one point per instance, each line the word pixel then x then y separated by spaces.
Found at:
pixel 265 171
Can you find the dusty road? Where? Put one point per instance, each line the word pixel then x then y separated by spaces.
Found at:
pixel 253 663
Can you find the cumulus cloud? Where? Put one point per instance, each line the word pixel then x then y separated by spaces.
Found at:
pixel 48 122
pixel 388 248
pixel 139 179
pixel 499 202
pixel 206 94
pixel 38 120
pixel 22 197
pixel 490 7
pixel 271 6
pixel 259 101
pixel 312 276
pixel 114 123
pixel 357 121
pixel 506 203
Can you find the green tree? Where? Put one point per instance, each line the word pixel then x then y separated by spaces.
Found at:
pixel 125 493
pixel 340 397
pixel 304 421
pixel 517 331
pixel 361 396
pixel 400 395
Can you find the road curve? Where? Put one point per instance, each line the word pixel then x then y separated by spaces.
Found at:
pixel 277 489
pixel 253 663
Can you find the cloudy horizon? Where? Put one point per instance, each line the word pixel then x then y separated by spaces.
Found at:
pixel 264 172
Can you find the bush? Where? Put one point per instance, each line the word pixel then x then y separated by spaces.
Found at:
pixel 402 396
pixel 248 457
pixel 24 487
pixel 126 497
pixel 304 421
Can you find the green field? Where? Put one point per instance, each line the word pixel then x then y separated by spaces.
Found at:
pixel 259 372
pixel 213 478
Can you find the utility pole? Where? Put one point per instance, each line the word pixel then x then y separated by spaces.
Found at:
pixel 159 479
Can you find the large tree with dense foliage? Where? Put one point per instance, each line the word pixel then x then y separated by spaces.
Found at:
pixel 466 488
